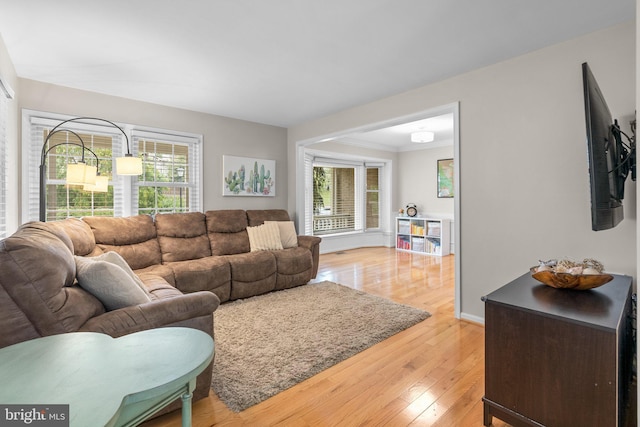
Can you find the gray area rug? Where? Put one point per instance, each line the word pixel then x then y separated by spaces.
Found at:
pixel 268 343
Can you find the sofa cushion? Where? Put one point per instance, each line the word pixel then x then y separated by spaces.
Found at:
pixel 132 237
pixel 226 221
pixel 265 237
pixel 288 235
pixel 161 270
pixel 205 274
pixel 110 283
pixel 295 266
pixel 252 274
pixel 157 288
pixel 258 217
pixel 82 239
pixel 116 258
pixel 182 236
pixel 227 231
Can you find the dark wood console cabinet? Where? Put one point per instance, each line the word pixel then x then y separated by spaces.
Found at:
pixel 556 357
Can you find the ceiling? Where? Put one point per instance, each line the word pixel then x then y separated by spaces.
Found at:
pixel 398 138
pixel 280 62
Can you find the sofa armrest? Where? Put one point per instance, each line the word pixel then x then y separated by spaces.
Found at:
pixel 313 244
pixel 153 314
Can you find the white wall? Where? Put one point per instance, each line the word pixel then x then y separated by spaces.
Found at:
pixel 417 181
pixel 8 73
pixel 523 160
pixel 221 135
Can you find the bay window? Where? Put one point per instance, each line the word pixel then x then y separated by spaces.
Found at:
pixel 344 196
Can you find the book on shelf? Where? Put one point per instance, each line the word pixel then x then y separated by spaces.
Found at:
pixel 417 229
pixel 403 243
pixel 433 246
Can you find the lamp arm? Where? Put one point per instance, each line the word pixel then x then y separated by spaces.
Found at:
pixel 78 145
pixel 45 151
pixel 75 119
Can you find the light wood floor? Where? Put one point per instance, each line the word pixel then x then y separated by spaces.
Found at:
pixel 431 374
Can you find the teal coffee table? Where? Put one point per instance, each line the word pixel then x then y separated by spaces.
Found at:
pixel 106 381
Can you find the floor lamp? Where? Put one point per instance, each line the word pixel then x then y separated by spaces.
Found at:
pixel 79 173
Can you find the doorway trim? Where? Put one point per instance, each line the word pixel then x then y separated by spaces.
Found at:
pixel 453 108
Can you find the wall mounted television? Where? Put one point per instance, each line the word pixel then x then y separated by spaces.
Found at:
pixel 610 158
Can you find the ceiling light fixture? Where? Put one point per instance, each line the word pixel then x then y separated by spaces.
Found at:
pixel 422 136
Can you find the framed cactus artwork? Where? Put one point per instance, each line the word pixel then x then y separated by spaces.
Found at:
pixel 246 176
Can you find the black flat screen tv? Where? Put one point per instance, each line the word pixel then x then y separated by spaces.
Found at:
pixel 609 158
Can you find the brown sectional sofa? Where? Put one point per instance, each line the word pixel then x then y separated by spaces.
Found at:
pixel 188 262
pixel 205 251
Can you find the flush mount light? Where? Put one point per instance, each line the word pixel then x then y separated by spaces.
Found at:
pixel 422 136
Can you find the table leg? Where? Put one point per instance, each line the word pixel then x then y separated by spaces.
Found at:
pixel 186 409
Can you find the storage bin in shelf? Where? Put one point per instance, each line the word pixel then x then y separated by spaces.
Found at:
pixel 404 226
pixel 428 236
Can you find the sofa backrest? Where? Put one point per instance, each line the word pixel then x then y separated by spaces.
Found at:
pixel 82 238
pixel 227 230
pixel 132 237
pixel 258 217
pixel 182 236
pixel 37 295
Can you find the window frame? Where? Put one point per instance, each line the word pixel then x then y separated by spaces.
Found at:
pixel 313 158
pixel 125 187
pixel 193 181
pixel 6 94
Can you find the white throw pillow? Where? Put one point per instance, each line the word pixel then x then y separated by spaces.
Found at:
pixel 109 282
pixel 264 237
pixel 288 235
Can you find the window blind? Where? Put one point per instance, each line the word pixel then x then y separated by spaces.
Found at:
pixel 124 188
pixel 171 181
pixel 4 118
pixel 63 201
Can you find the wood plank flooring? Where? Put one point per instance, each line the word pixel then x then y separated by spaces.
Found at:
pixel 431 374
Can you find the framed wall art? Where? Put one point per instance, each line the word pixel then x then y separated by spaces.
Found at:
pixel 247 176
pixel 445 178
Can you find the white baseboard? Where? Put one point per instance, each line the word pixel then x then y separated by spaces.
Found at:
pixel 472 318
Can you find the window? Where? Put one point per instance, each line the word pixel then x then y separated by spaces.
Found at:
pixel 64 200
pixel 373 197
pixel 334 199
pixel 4 118
pixel 170 183
pixel 344 196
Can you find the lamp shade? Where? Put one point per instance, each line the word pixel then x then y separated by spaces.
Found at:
pixel 101 185
pixel 422 136
pixel 76 173
pixel 129 165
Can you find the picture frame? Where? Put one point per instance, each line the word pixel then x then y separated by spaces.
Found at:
pixel 445 178
pixel 248 176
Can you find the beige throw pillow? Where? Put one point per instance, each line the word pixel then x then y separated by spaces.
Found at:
pixel 288 235
pixel 264 237
pixel 109 282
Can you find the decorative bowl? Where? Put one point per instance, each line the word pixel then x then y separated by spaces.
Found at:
pixel 579 282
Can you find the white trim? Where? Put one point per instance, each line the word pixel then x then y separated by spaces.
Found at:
pixel 124 184
pixel 6 88
pixel 447 108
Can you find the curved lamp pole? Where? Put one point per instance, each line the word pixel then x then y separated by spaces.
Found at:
pixel 127 165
